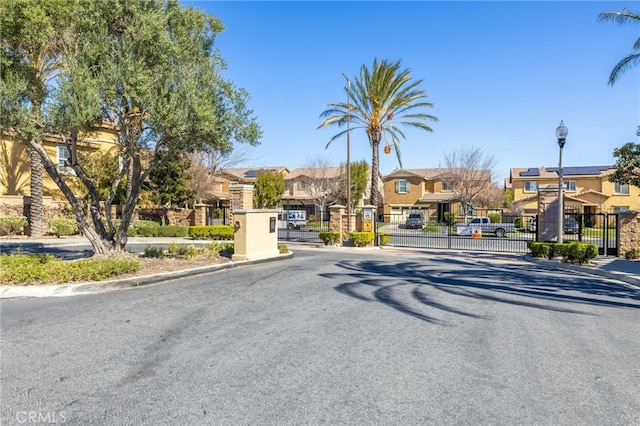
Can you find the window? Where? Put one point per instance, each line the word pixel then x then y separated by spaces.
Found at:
pixel 402 186
pixel 530 186
pixel 447 185
pixel 64 159
pixel 571 186
pixel 621 188
pixel 618 209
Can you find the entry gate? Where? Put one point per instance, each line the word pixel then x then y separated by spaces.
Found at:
pixel 596 228
pixel 451 236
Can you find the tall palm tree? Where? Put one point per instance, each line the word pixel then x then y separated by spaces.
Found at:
pixel 623 17
pixel 379 101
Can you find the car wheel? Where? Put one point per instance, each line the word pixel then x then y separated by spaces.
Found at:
pixel 500 233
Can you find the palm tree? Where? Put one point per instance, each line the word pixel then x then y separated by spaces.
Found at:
pixel 623 17
pixel 379 101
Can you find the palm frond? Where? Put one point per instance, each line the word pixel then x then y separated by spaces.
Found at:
pixel 622 66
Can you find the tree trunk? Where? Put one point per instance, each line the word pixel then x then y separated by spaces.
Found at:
pixel 36 210
pixel 375 171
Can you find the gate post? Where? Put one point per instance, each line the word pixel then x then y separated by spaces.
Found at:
pixel 628 232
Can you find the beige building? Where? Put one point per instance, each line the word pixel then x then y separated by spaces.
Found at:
pixel 587 189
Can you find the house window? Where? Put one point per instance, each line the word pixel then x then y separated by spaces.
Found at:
pixel 621 188
pixel 571 186
pixel 402 186
pixel 618 209
pixel 530 186
pixel 64 159
pixel 447 185
pixel 300 185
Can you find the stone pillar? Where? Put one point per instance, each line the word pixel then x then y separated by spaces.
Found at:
pixel 241 198
pixel 337 221
pixel 199 216
pixel 547 226
pixel 628 232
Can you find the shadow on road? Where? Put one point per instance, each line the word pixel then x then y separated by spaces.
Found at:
pixel 413 287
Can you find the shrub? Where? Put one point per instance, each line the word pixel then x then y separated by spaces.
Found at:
pixel 211 232
pixel 495 217
pixel 361 239
pixel 384 238
pixel 449 218
pixel 151 251
pixel 518 223
pixel 282 248
pixel 330 238
pixel 540 249
pixel 434 227
pixel 145 228
pixel 171 231
pixel 190 252
pixel 632 254
pixel 579 252
pixel 220 249
pixel 12 225
pixel 62 227
pixel 25 269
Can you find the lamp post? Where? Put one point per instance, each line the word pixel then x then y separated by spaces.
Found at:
pixel 348 155
pixel 561 134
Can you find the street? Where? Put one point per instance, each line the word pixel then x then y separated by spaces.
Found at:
pixel 333 336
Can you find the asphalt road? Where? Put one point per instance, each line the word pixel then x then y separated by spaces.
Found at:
pixel 332 336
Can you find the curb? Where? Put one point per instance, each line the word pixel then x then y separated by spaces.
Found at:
pixel 63 290
pixel 627 279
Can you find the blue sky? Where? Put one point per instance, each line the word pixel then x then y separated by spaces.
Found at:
pixel 500 74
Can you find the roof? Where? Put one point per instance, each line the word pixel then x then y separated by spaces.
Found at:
pixel 248 174
pixel 315 173
pixel 430 198
pixel 552 172
pixel 427 174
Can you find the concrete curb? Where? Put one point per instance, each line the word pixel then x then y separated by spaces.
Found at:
pixel 63 290
pixel 619 276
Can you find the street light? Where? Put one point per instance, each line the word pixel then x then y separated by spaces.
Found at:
pixel 561 134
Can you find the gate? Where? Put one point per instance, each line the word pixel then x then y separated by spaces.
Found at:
pixel 600 229
pixel 306 231
pixel 438 235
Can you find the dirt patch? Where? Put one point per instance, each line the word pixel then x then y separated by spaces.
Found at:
pixel 152 265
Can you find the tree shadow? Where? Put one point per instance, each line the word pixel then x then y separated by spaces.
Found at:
pixel 413 286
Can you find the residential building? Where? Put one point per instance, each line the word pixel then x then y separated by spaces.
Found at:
pixel 15 166
pixel 427 191
pixel 587 189
pixel 311 189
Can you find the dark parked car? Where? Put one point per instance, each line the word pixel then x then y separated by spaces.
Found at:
pixel 414 221
pixel 571 226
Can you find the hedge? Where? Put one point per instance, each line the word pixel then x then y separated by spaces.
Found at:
pixel 211 232
pixel 329 238
pixel 361 239
pixel 11 225
pixel 573 251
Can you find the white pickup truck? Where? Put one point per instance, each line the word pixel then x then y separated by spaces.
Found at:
pixel 484 223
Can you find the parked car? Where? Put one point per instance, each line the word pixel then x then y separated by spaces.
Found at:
pixel 484 223
pixel 414 221
pixel 571 226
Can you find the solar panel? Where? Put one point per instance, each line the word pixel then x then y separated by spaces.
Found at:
pixel 579 170
pixel 251 173
pixel 531 172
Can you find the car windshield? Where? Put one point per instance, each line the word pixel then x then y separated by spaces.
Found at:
pixel 414 216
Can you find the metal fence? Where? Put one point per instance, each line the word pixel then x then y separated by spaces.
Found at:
pixel 596 228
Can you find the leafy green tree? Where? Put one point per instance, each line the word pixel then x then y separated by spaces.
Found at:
pixel 359 179
pixel 268 189
pixel 381 100
pixel 631 60
pixel 627 164
pixel 102 168
pixel 33 35
pixel 149 69
pixel 169 181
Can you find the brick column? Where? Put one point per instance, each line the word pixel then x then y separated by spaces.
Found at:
pixel 337 222
pixel 241 198
pixel 628 232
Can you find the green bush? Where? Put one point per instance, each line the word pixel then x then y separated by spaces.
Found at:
pixel 495 217
pixel 632 254
pixel 540 249
pixel 384 238
pixel 283 248
pixel 518 223
pixel 220 249
pixel 62 227
pixel 151 251
pixel 146 228
pixel 449 218
pixel 329 238
pixel 26 269
pixel 579 252
pixel 211 232
pixel 12 225
pixel 434 227
pixel 172 231
pixel 361 239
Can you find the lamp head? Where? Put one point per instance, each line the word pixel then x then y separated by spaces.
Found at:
pixel 561 133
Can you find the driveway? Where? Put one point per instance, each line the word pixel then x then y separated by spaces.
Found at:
pixel 333 336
